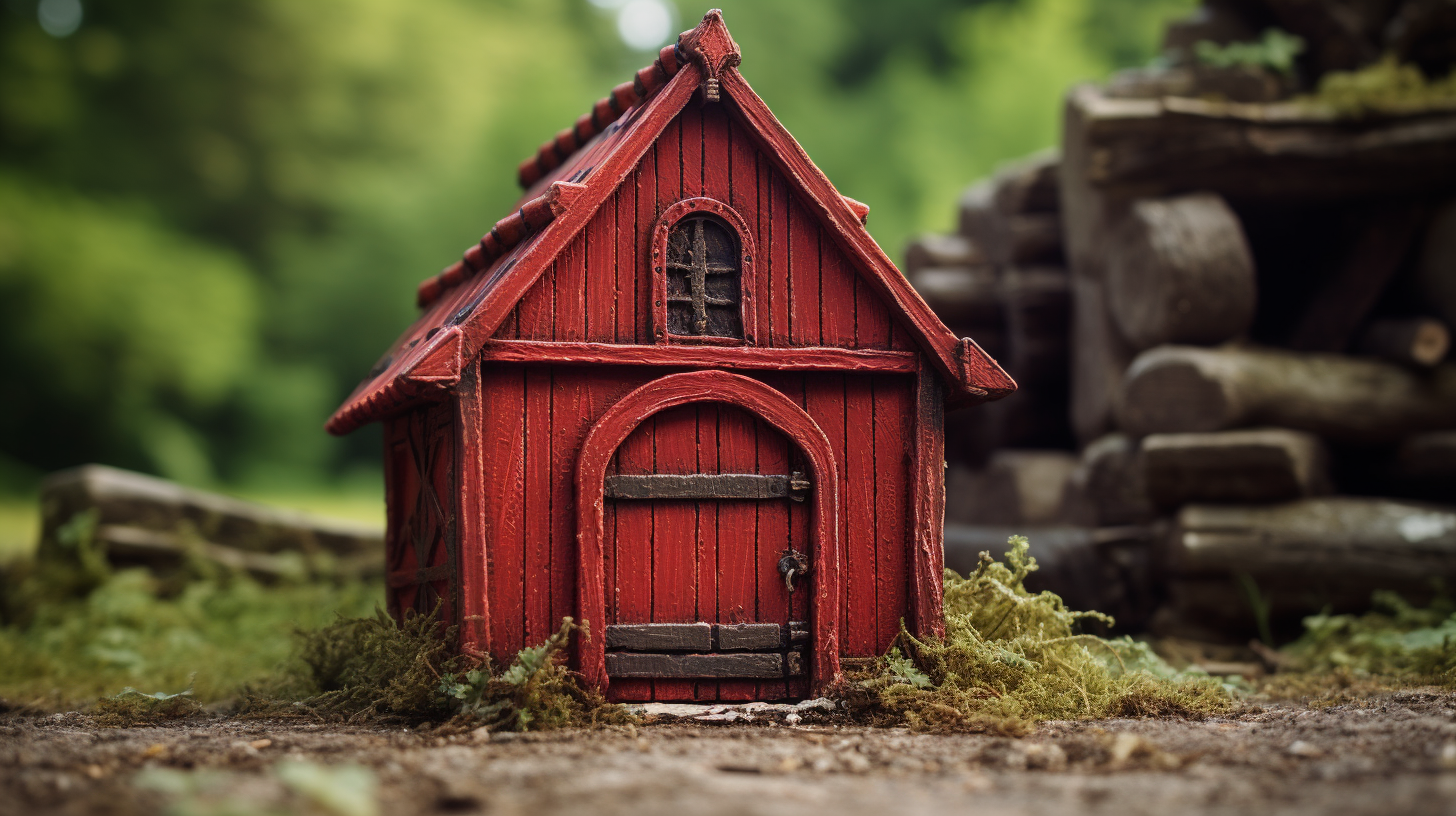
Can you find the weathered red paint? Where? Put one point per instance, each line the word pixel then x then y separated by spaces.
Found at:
pixel 539 366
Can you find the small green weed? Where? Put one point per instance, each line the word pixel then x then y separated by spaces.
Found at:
pixel 535 693
pixel 1275 51
pixel 132 707
pixel 1395 640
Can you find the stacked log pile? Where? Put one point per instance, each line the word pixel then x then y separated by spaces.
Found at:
pixel 1002 279
pixel 1261 293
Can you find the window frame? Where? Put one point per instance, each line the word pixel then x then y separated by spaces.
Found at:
pixel 662 231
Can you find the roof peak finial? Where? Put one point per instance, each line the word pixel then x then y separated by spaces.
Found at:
pixel 712 49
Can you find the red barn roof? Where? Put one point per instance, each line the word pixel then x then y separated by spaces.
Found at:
pixel 569 178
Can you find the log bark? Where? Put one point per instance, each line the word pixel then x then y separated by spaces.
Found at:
pixel 1015 487
pixel 1435 273
pixel 1100 357
pixel 1264 465
pixel 1180 271
pixel 1414 341
pixel 961 295
pixel 1108 487
pixel 1099 354
pixel 1028 238
pixel 1346 545
pixel 1279 151
pixel 150 521
pixel 931 250
pixel 1178 389
pixel 1029 185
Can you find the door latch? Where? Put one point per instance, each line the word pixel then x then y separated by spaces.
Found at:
pixel 793 564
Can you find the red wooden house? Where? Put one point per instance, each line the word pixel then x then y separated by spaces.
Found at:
pixel 679 394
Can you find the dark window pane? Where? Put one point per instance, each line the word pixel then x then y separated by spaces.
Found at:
pixel 703 287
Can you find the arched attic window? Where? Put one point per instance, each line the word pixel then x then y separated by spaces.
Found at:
pixel 702 281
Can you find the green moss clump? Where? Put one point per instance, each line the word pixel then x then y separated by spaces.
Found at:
pixel 1011 658
pixel 370 668
pixel 1396 641
pixel 1384 87
pixel 536 692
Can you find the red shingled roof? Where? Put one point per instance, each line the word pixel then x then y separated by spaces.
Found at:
pixel 569 178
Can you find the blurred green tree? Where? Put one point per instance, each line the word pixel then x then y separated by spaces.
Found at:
pixel 213 214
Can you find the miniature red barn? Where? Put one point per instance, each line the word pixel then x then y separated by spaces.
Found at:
pixel 680 395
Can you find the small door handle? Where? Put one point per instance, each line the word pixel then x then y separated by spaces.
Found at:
pixel 793 564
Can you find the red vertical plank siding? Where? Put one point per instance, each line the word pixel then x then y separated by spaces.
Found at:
pixel 804 291
pixel 600 272
pixel 624 257
pixel 894 408
pixel 669 170
pixel 718 158
pixel 503 393
pixel 691 155
pixel 824 399
pixel 739 546
pixel 647 211
pixel 470 490
pixel 569 281
pixel 927 504
pixel 631 585
pixel 748 199
pixel 401 485
pixel 569 395
pixel 860 563
pixel 674 535
pixel 837 296
pixel 536 506
pixel 776 193
pixel 705 584
pixel 871 319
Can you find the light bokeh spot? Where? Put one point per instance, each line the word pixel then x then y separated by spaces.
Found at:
pixel 59 18
pixel 644 24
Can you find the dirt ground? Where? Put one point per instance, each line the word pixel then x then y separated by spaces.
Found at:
pixel 1391 754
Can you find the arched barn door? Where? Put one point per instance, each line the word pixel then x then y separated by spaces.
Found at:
pixel 708 544
pixel 708 559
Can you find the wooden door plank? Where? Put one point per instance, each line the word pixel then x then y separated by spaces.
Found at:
pixel 706 586
pixel 893 405
pixel 675 533
pixel 631 586
pixel 661 637
pixel 688 666
pixel 750 636
pixel 738 536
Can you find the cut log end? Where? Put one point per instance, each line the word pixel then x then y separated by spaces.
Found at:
pixel 1168 395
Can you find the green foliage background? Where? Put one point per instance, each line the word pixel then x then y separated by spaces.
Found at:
pixel 213 214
